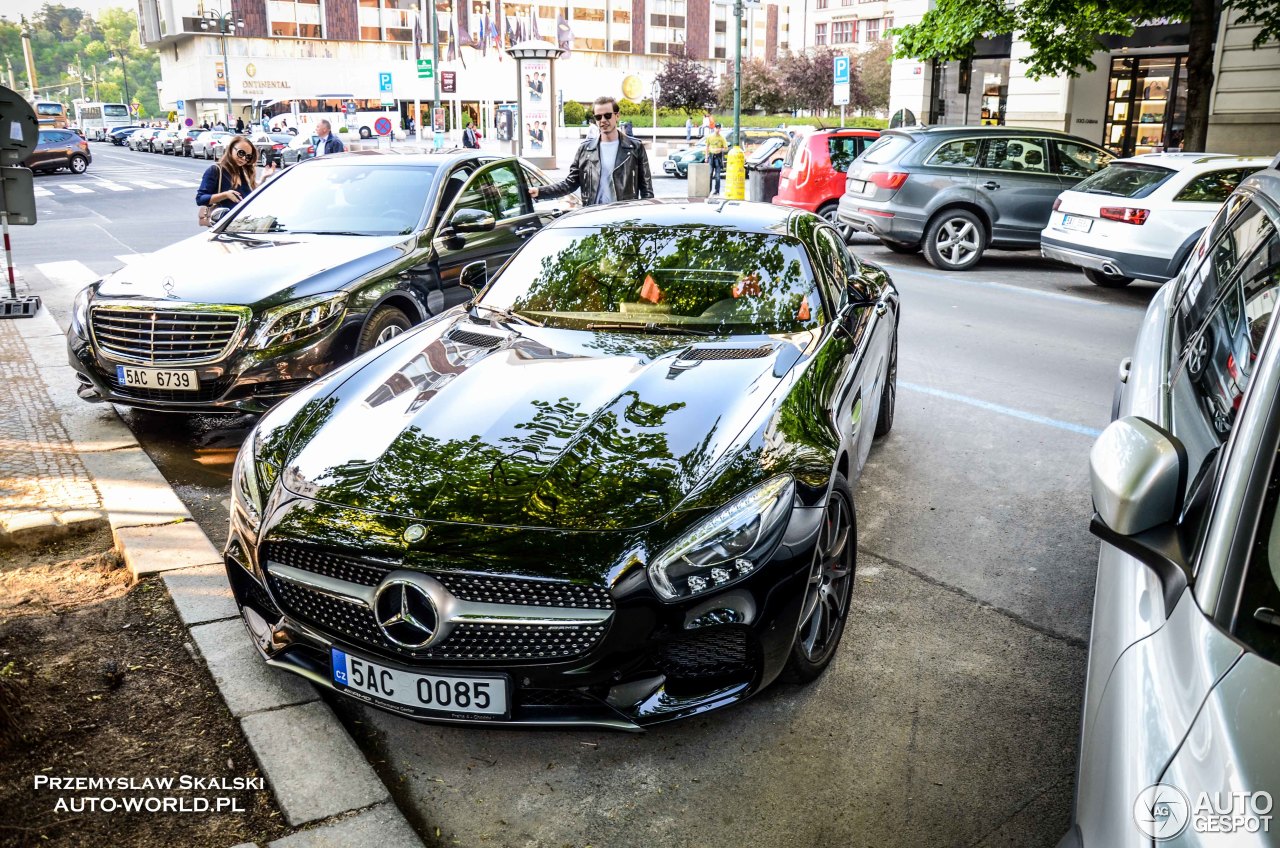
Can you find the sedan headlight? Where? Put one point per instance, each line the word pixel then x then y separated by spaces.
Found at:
pixel 252 480
pixel 727 546
pixel 80 313
pixel 298 319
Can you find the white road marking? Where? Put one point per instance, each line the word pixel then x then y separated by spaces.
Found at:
pixel 41 191
pixel 71 274
pixel 76 189
pixel 142 184
pixel 110 186
pixel 182 183
pixel 1003 410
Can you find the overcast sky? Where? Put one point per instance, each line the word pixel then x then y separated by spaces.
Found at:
pixel 12 9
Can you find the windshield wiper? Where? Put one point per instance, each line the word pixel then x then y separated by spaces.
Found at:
pixel 510 316
pixel 326 232
pixel 656 329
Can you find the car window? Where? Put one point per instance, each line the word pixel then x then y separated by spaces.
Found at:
pixel 961 153
pixel 887 148
pixel 1125 179
pixel 1213 187
pixel 843 150
pixel 1256 624
pixel 1015 154
pixel 834 258
pixel 495 190
pixel 1080 160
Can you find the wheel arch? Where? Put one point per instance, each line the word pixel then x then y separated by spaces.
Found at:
pixel 969 206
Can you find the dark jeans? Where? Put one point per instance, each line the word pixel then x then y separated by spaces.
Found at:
pixel 717 168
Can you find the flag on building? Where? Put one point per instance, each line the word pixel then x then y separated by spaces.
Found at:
pixel 452 54
pixel 564 35
pixel 533 24
pixel 417 37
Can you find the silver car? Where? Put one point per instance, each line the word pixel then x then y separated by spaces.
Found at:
pixel 1182 702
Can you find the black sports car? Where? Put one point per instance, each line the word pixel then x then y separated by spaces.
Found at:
pixel 615 489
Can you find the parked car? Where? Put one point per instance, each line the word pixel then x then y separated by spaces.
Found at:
pixel 329 258
pixel 1139 218
pixel 1178 735
pixel 661 535
pixel 120 135
pixel 58 149
pixel 814 168
pixel 202 146
pixel 141 139
pixel 768 155
pixel 677 163
pixel 956 192
pixel 162 141
pixel 300 147
pixel 269 145
pixel 182 147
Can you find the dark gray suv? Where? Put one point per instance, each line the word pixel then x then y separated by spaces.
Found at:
pixel 956 191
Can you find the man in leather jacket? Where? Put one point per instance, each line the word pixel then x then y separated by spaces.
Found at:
pixel 623 157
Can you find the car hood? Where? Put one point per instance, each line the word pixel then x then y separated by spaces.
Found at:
pixel 551 428
pixel 209 268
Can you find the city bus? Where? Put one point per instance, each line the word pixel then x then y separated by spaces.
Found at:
pixel 98 119
pixel 51 114
pixel 358 115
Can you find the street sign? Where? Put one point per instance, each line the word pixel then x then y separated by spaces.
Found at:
pixel 384 81
pixel 382 126
pixel 180 105
pixel 425 70
pixel 19 129
pixel 842 70
pixel 135 107
pixel 18 195
pixel 449 82
pixel 840 96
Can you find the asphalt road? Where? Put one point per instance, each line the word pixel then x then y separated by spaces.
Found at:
pixel 951 712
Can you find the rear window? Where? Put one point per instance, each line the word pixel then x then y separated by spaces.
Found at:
pixel 49 109
pixel 1127 179
pixel 115 110
pixel 887 148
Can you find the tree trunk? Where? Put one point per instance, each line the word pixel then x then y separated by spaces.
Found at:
pixel 1204 29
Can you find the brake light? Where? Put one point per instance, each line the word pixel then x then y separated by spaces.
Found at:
pixel 277 147
pixel 891 180
pixel 1124 214
pixel 311 149
pixel 1057 202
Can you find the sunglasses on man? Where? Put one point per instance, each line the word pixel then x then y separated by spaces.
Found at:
pixel 600 117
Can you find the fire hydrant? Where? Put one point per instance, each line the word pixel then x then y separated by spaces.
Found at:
pixel 735 174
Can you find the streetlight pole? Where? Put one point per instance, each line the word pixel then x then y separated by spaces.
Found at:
pixel 225 22
pixel 124 75
pixel 737 73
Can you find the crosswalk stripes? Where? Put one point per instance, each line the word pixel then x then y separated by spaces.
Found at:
pixel 77 189
pixel 41 191
pixel 144 184
pixel 110 186
pixel 98 183
pixel 70 274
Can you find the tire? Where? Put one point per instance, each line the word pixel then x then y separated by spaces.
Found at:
pixel 78 164
pixel 383 325
pixel 900 247
pixel 828 592
pixel 365 132
pixel 889 396
pixel 1107 281
pixel 831 214
pixel 954 240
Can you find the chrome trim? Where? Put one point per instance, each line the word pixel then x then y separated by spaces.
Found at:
pixel 1075 257
pixel 243 315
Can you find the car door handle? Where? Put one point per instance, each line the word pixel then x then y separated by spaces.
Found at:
pixel 991 185
pixel 525 231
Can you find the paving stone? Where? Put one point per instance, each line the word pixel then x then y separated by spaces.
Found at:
pixel 201 594
pixel 133 492
pixel 29 528
pixel 382 826
pixel 82 520
pixel 148 550
pixel 247 683
pixel 313 766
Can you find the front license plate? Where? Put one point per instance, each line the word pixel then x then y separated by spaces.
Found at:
pixel 1077 223
pixel 174 379
pixel 418 693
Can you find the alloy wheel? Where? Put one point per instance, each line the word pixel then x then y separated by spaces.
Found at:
pixel 827 596
pixel 387 334
pixel 957 241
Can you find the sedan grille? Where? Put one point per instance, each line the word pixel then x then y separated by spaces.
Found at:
pixel 711 652
pixel 165 336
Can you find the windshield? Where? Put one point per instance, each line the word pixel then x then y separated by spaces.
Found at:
pixel 49 109
pixel 354 199
pixel 115 110
pixel 641 279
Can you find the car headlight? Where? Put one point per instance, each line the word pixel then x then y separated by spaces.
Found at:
pixel 727 546
pixel 252 480
pixel 298 319
pixel 80 313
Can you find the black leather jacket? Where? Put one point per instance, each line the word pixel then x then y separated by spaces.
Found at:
pixel 631 180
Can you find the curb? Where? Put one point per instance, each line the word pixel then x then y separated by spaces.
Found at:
pixel 320 779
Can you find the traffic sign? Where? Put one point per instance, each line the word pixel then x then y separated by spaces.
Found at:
pixel 425 69
pixel 384 81
pixel 840 96
pixel 18 195
pixel 449 82
pixel 842 70
pixel 382 126
pixel 180 105
pixel 19 129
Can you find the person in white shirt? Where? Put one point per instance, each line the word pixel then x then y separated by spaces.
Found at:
pixel 607 169
pixel 327 142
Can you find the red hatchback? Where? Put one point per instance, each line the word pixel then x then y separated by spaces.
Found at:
pixel 813 172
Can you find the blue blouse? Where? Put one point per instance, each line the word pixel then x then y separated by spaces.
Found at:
pixel 209 186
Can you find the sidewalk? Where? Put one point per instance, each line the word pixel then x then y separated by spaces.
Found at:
pixel 67 466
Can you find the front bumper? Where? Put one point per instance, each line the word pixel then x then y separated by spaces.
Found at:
pixel 674 169
pixel 881 220
pixel 243 381
pixel 649 663
pixel 1154 268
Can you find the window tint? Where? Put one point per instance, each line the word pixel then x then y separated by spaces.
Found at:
pixel 1260 594
pixel 1125 179
pixel 960 154
pixel 887 148
pixel 1213 187
pixel 494 190
pixel 1015 154
pixel 1080 160
pixel 843 150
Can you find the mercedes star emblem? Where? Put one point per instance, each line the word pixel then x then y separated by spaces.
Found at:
pixel 168 286
pixel 415 533
pixel 406 613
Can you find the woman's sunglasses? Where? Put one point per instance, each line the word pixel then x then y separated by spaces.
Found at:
pixel 241 153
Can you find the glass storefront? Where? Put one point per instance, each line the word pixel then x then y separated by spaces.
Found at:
pixel 1146 104
pixel 975 91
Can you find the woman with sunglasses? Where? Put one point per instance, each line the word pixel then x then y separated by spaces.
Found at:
pixel 228 180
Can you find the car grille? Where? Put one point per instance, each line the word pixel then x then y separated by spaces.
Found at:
pixel 711 652
pixel 355 622
pixel 165 336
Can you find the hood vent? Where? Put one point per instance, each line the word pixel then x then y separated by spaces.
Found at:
pixel 475 339
pixel 699 354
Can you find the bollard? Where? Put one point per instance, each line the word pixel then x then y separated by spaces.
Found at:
pixel 735 174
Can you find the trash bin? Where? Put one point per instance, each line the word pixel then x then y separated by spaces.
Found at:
pixel 762 184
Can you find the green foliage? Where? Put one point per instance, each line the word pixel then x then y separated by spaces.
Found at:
pixel 687 84
pixel 574 113
pixel 874 68
pixel 761 88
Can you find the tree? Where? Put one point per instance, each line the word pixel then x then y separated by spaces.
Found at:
pixel 1063 36
pixel 874 68
pixel 807 80
pixel 761 88
pixel 686 83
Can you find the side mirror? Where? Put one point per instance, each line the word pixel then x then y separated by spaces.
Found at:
pixel 1138 474
pixel 859 293
pixel 474 276
pixel 472 221
pixel 217 215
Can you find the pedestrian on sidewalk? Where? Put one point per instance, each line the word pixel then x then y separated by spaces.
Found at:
pixel 688 128
pixel 621 159
pixel 226 182
pixel 469 137
pixel 717 146
pixel 327 142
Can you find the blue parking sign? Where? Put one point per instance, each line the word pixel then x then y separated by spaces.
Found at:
pixel 384 81
pixel 841 69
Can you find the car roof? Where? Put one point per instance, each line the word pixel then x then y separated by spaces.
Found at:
pixel 983 129
pixel 1189 161
pixel 729 214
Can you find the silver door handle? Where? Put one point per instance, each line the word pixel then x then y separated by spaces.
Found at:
pixel 525 231
pixel 991 185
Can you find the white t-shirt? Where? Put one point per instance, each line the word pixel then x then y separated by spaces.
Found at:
pixel 322 145
pixel 608 158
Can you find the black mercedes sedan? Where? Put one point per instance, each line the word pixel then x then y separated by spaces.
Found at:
pixel 323 262
pixel 615 489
